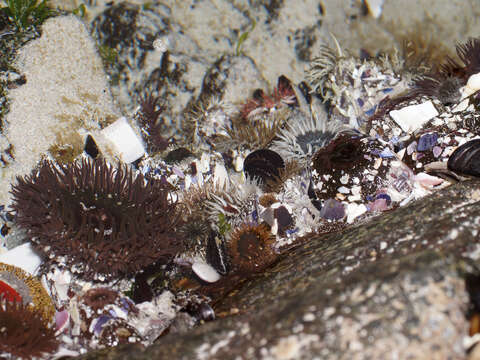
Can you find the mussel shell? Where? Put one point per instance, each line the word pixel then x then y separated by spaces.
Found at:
pixel 263 165
pixel 91 148
pixel 465 159
pixel 215 253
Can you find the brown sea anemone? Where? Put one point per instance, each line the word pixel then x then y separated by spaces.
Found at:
pixel 101 222
pixel 250 248
pixel 23 333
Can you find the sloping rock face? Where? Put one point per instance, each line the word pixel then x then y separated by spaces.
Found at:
pixel 393 287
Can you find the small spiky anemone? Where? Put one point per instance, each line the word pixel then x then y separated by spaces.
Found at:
pixel 445 82
pixel 101 222
pixel 304 135
pixel 250 248
pixel 207 119
pixel 253 135
pixel 23 333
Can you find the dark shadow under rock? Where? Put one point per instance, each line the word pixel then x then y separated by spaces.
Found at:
pixel 390 288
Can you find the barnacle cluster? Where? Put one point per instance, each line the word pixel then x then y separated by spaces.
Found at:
pixel 101 221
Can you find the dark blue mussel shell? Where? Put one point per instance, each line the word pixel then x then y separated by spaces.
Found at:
pixel 263 165
pixel 465 159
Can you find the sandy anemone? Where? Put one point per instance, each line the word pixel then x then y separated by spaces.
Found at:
pixel 99 221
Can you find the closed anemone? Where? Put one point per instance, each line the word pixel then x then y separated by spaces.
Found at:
pixel 343 153
pixel 99 221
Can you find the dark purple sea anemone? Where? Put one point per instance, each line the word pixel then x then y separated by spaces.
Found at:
pixel 101 222
pixel 23 333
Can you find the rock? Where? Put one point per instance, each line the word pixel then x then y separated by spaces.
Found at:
pixel 233 79
pixel 57 103
pixel 139 67
pixel 392 287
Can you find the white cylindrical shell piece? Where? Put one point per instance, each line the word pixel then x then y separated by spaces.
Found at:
pixel 205 271
pixel 24 257
pixel 124 140
pixel 220 175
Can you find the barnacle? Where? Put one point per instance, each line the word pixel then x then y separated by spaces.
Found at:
pixel 23 333
pixel 250 248
pixel 101 222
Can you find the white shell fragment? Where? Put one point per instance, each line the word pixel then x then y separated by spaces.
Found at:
pixel 126 143
pixel 375 7
pixel 220 176
pixel 355 210
pixel 205 272
pixel 473 85
pixel 24 257
pixel 413 117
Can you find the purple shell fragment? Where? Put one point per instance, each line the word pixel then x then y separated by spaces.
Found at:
pixel 332 210
pixel 387 198
pixel 427 141
pixel 411 148
pixel 61 320
pixel 371 111
pixel 437 150
pixel 387 154
pixel 101 321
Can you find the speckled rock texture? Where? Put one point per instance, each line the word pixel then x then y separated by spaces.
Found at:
pixel 392 288
pixel 279 36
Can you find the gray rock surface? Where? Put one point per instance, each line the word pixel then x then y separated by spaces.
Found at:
pixel 390 288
